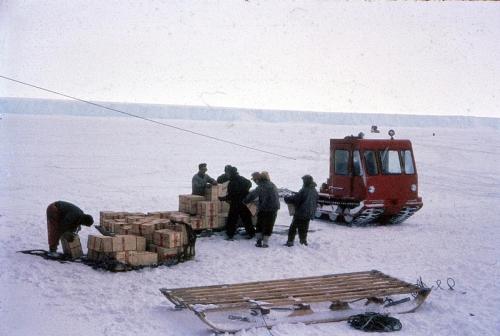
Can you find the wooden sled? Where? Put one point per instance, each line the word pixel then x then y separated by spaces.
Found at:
pixel 329 298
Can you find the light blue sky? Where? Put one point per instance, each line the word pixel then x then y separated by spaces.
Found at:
pixel 380 57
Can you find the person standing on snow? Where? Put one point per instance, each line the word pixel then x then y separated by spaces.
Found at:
pixel 63 217
pixel 237 190
pixel 305 202
pixel 268 205
pixel 201 180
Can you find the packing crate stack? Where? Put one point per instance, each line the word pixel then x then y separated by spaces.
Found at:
pixel 207 212
pixel 158 237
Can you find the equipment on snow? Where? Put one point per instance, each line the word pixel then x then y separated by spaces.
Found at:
pixel 374 322
pixel 317 299
pixel 370 181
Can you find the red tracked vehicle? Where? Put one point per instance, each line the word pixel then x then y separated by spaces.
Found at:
pixel 371 181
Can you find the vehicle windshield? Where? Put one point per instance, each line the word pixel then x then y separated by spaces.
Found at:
pixel 391 164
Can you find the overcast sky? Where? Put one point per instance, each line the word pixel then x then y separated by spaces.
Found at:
pixel 381 57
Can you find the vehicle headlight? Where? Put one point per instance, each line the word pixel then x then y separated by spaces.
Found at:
pixel 371 189
pixel 413 187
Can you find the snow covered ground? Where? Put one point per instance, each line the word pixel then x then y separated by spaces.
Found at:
pixel 132 165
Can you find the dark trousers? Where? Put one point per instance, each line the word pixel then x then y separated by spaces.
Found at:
pixel 53 231
pixel 239 210
pixel 301 225
pixel 265 222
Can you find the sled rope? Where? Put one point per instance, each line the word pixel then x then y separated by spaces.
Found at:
pixel 374 322
pixel 147 119
pixel 449 281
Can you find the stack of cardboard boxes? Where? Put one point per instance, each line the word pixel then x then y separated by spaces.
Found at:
pixel 128 249
pixel 208 212
pixel 157 236
pixel 145 239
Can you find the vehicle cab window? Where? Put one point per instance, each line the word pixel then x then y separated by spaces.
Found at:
pixel 390 162
pixel 408 162
pixel 341 162
pixel 371 162
pixel 356 164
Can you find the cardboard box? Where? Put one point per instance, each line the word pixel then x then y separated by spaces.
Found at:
pixel 136 219
pixel 167 238
pixel 179 228
pixel 103 215
pixel 215 191
pixel 209 222
pixel 160 223
pixel 195 223
pixel 207 208
pixel 125 230
pixel 187 203
pixel 72 249
pixel 116 244
pixel 252 206
pixel 180 217
pixel 116 225
pixel 135 258
pixel 165 253
pixel 142 229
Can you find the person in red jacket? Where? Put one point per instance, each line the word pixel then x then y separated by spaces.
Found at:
pixel 64 217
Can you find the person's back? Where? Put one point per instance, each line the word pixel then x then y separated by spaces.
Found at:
pixel 69 216
pixel 237 188
pixel 307 200
pixel 268 196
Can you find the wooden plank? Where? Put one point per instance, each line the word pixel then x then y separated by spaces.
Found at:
pixel 324 284
pixel 276 284
pixel 340 275
pixel 298 295
pixel 259 293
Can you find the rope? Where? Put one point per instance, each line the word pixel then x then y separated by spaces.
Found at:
pixel 147 119
pixel 449 281
pixel 374 322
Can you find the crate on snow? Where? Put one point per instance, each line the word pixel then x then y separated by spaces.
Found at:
pixel 188 203
pixel 71 245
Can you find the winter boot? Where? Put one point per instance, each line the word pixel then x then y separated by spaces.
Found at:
pixel 258 235
pixel 289 243
pixel 303 242
pixel 265 241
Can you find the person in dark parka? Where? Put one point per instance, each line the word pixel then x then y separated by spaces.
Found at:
pixel 224 177
pixel 305 202
pixel 237 190
pixel 64 217
pixel 268 205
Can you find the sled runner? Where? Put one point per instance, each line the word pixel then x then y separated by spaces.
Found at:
pixel 317 299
